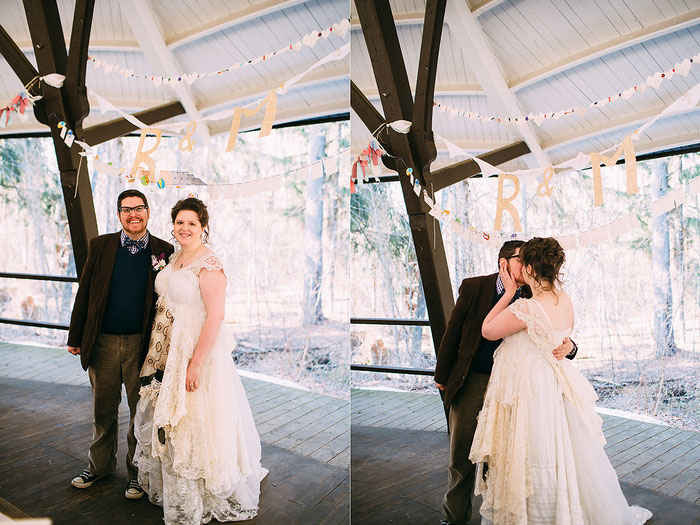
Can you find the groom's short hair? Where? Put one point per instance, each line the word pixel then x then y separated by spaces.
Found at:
pixel 131 193
pixel 508 249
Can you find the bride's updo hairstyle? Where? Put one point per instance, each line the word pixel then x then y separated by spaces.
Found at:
pixel 545 256
pixel 197 206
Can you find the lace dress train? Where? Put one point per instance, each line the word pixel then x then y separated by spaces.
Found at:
pixel 198 453
pixel 541 439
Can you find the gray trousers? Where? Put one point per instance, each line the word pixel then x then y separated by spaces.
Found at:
pixel 457 503
pixel 114 360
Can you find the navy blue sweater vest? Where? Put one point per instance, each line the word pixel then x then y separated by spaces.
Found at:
pixel 127 292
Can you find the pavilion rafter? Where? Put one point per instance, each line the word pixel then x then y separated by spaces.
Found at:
pixel 470 37
pixel 382 41
pixel 116 128
pixel 144 25
pixel 373 120
pixel 333 73
pixel 465 169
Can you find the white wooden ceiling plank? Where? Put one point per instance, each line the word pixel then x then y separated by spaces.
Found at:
pixel 536 50
pixel 611 46
pixel 231 19
pixel 506 48
pixel 628 123
pixel 618 15
pixel 667 9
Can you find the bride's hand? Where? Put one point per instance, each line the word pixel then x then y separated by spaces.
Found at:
pixel 507 279
pixel 192 377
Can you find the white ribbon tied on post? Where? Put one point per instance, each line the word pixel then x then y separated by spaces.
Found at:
pixel 400 126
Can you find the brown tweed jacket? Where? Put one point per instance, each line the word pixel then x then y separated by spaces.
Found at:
pixel 463 334
pixel 93 290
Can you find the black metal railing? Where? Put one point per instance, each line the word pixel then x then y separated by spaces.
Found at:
pixel 391 369
pixel 36 277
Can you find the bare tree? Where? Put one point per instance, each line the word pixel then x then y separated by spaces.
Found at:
pixel 664 341
pixel 313 237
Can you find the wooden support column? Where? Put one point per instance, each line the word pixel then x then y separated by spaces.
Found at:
pixel 417 149
pixel 68 104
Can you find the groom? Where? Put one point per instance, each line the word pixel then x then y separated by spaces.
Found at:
pixel 462 372
pixel 110 330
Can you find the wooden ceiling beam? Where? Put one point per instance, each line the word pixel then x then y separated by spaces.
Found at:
pixel 116 128
pixel 76 66
pixel 22 67
pixel 465 169
pixel 485 7
pixel 333 73
pixel 422 117
pixel 480 59
pixel 141 19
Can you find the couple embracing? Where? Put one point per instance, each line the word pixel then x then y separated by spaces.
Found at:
pixel 524 433
pixel 151 318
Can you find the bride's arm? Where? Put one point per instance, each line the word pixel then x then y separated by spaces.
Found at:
pixel 212 284
pixel 500 322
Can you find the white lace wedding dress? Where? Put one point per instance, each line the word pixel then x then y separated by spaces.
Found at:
pixel 198 453
pixel 541 438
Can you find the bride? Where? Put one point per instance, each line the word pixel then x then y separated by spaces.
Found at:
pixel 198 452
pixel 539 443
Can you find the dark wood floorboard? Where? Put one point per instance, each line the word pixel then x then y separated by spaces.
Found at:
pixel 44 433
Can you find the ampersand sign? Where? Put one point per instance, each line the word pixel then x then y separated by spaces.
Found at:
pixel 544 189
pixel 191 127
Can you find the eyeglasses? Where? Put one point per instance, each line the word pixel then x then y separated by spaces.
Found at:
pixel 126 210
pixel 513 256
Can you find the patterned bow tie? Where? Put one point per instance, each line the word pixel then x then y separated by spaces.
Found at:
pixel 134 246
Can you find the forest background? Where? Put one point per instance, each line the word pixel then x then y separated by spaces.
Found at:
pixel 637 298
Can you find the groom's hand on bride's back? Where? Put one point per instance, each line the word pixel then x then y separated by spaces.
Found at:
pixel 75 350
pixel 564 349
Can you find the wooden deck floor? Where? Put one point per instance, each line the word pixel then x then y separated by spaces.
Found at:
pixel 400 450
pixel 45 430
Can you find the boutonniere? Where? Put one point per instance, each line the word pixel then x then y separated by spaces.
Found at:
pixel 158 262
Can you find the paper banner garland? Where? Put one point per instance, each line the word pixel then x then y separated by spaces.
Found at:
pixel 654 81
pixel 18 105
pixel 270 105
pixel 504 204
pixel 339 28
pixel 606 232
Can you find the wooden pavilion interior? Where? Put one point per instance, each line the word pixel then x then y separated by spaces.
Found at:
pixel 481 60
pixel 45 397
pixel 494 57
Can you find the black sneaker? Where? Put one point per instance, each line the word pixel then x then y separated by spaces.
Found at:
pixel 84 480
pixel 134 490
